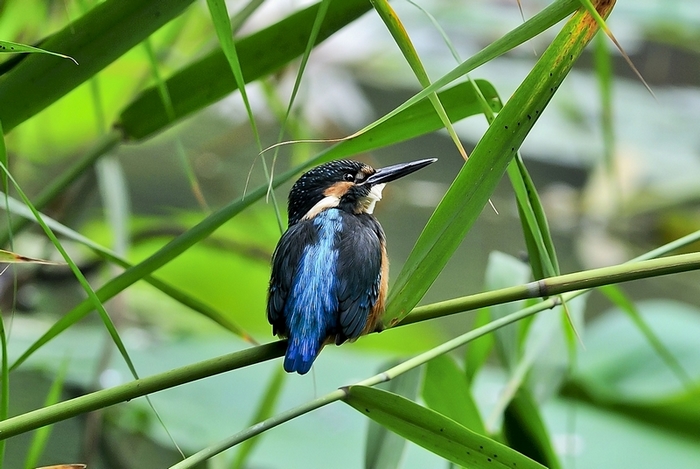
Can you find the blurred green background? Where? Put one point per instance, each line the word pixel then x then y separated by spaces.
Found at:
pixel 620 407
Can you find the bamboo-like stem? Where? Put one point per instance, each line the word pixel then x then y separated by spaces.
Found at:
pixel 554 285
pixel 265 425
pixel 341 393
pixel 584 280
pixel 137 388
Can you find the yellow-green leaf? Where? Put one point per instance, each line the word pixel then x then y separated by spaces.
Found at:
pixel 9 257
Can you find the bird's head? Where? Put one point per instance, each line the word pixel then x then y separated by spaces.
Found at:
pixel 346 184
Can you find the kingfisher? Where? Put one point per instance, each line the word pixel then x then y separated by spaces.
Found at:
pixel 330 269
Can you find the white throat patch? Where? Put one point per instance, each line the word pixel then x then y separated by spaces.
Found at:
pixel 323 204
pixel 374 196
pixel 331 201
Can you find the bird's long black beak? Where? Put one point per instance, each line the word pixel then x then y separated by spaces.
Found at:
pixel 395 171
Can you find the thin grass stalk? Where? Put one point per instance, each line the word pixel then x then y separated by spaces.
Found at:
pixel 403 41
pixel 542 21
pixel 5 366
pixel 92 297
pixel 104 145
pixel 341 393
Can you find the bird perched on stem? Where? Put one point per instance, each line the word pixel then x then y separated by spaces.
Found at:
pixel 330 269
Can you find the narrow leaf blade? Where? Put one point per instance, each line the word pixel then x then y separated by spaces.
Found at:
pixel 472 187
pixel 9 47
pixel 526 432
pixel 433 431
pixel 447 391
pixel 384 449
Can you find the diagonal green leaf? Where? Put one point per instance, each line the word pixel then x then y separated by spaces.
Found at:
pixel 538 238
pixel 210 79
pixel 447 391
pixel 618 298
pixel 92 299
pixel 460 101
pixel 313 38
pixel 95 39
pixel 542 21
pixel 265 409
pixel 434 432
pixel 222 25
pixel 536 230
pixel 383 448
pixel 525 430
pixel 17 208
pixel 415 121
pixel 102 147
pixel 471 189
pixel 402 39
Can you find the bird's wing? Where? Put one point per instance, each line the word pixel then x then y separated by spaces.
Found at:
pixel 358 273
pixel 285 262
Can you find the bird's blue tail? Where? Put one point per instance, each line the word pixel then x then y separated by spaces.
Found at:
pixel 300 355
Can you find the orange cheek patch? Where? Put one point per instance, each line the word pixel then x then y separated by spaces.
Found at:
pixel 338 190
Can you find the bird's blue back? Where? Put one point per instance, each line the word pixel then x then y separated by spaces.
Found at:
pixel 325 280
pixel 312 302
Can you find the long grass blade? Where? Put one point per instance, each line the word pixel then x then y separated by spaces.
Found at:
pixel 210 78
pixel 313 37
pixel 545 19
pixel 403 40
pixel 222 26
pixel 93 299
pixel 35 82
pixel 102 147
pixel 618 298
pixel 18 208
pixel 479 176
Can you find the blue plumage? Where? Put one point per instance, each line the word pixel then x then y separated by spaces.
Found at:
pixel 329 270
pixel 312 302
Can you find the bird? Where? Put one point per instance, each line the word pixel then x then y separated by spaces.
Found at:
pixel 330 269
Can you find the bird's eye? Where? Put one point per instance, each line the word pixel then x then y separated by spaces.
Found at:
pixel 349 177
